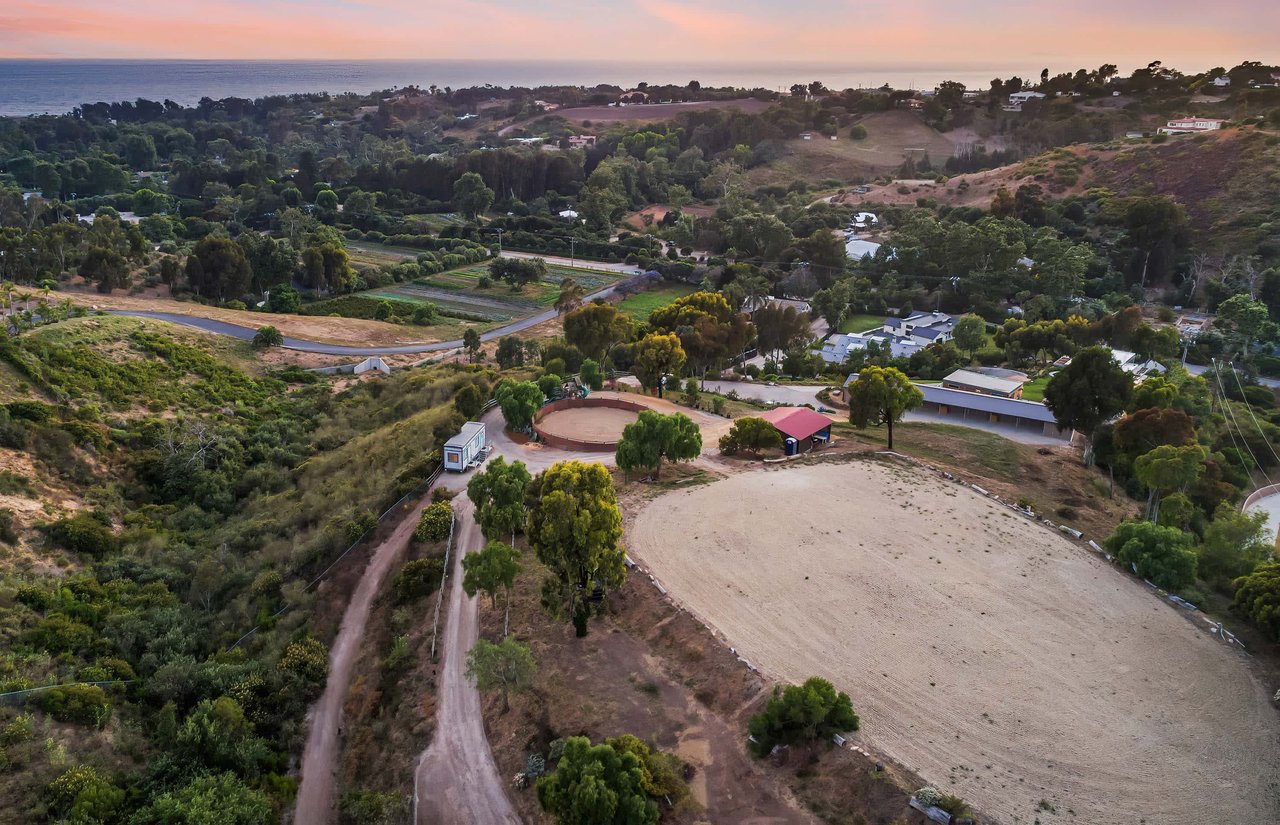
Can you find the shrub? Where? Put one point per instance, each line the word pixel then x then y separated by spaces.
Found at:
pixel 417 578
pixel 267 337
pixel 751 434
pixel 802 713
pixel 306 658
pixel 83 534
pixel 83 704
pixel 435 522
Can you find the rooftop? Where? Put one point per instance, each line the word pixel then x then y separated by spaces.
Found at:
pixel 1005 386
pixel 797 422
pixel 468 432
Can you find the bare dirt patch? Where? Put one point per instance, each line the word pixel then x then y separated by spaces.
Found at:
pixel 990 655
pixel 588 423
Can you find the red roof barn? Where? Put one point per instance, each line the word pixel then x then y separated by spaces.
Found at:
pixel 806 427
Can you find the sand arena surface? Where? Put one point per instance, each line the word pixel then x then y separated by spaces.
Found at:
pixel 1000 661
pixel 602 424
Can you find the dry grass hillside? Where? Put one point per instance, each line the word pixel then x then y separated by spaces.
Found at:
pixel 1228 181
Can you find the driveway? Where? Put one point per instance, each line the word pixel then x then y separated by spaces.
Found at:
pixel 303 345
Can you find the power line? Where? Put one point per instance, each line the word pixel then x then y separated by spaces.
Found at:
pixel 1217 374
pixel 1249 407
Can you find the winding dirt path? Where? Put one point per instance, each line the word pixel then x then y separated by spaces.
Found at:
pixel 315 802
pixel 457 780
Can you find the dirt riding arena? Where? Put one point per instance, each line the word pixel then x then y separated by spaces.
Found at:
pixel 588 424
pixel 1000 661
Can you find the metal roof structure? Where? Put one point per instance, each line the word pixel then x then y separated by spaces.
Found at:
pixel 1030 410
pixel 469 431
pixel 797 422
pixel 991 383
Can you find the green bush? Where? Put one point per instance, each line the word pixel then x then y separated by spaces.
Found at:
pixel 802 713
pixel 435 522
pixel 417 578
pixel 83 534
pixel 82 704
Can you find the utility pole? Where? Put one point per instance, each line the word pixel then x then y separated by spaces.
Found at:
pixel 499 231
pixel 572 256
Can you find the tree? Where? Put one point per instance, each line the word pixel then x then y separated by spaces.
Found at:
pixel 802 713
pixel 471 196
pixel 492 569
pixel 779 329
pixel 1168 468
pixel 468 401
pixel 709 329
pixel 595 328
pixel 327 267
pixel 510 352
pixel 655 357
pixel 1144 430
pixel 591 375
pixel 654 436
pixel 516 272
pixel 1242 321
pixel 216 799
pixel 880 395
pixel 471 343
pixel 1090 390
pixel 435 523
pixel 498 493
pixel 104 265
pixel 218 269
pixel 1258 598
pixel 571 294
pixel 575 527
pixel 1157 230
pixel 519 400
pixel 1235 543
pixel 832 304
pixel 506 666
pixel 596 786
pixel 267 337
pixel 970 333
pixel 750 434
pixel 1163 555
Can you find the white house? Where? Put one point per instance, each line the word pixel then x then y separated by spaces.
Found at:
pixel 1018 99
pixel 864 220
pixel 1185 125
pixel 836 349
pixel 569 215
pixel 857 248
pixel 923 328
pixel 1222 82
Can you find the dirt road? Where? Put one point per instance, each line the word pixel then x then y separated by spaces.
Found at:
pixel 315 802
pixel 457 780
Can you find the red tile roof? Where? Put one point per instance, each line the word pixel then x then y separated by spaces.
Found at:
pixel 797 422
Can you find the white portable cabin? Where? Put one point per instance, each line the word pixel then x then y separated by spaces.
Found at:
pixel 466 448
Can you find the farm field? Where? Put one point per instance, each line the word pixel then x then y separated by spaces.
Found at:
pixel 458 291
pixel 639 306
pixel 998 660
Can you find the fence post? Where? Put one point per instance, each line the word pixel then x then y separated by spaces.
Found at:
pixel 435 626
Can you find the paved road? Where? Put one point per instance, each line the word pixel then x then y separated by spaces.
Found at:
pixel 303 345
pixel 315 800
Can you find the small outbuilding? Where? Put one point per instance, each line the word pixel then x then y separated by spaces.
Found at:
pixel 972 381
pixel 802 429
pixel 466 449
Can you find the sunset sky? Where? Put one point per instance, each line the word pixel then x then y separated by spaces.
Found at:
pixel 1189 34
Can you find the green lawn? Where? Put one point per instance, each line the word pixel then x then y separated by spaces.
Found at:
pixel 1034 390
pixel 639 306
pixel 861 323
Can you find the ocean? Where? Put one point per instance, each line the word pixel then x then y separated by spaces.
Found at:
pixel 57 86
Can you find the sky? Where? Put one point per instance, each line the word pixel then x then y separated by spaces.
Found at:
pixel 1187 34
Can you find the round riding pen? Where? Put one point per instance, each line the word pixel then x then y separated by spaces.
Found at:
pixel 592 424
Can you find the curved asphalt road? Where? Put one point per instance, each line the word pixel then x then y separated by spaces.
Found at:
pixel 303 345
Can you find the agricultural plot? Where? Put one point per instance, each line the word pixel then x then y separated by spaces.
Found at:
pixel 639 306
pixel 991 655
pixel 459 291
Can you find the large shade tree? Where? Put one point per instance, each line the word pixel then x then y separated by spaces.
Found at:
pixel 1088 391
pixel 575 528
pixel 880 395
pixel 597 786
pixel 653 437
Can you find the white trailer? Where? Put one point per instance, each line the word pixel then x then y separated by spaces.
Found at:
pixel 466 449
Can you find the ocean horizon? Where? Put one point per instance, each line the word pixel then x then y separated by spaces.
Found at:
pixel 40 86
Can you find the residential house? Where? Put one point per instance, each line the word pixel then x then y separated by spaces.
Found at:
pixel 858 248
pixel 581 141
pixel 922 327
pixel 902 337
pixel 1186 125
pixel 1019 99
pixel 1223 82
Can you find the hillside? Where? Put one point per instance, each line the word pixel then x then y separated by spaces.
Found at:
pixel 162 492
pixel 1228 181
